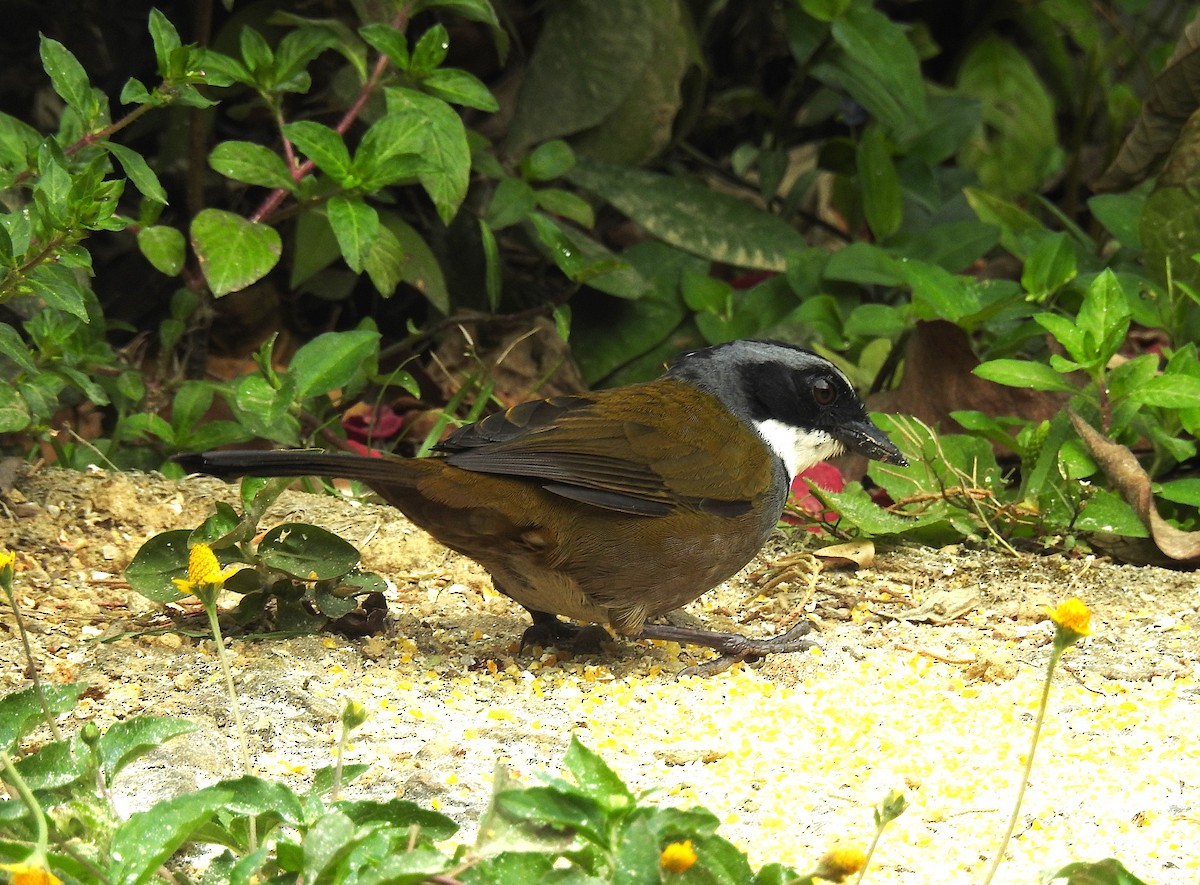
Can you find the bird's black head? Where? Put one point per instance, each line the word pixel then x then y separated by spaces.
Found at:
pixel 800 403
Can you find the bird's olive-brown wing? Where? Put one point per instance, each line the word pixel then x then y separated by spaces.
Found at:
pixel 648 449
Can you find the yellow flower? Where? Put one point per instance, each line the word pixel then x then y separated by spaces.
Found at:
pixel 678 857
pixel 25 873
pixel 204 572
pixel 839 863
pixel 1072 620
pixel 7 558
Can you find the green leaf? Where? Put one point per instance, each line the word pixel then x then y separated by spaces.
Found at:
pixel 356 226
pixel 60 288
pixel 441 142
pixel 331 360
pixel 430 50
pixel 548 161
pixel 511 202
pixel 387 40
pixel 326 842
pixel 402 815
pixel 14 413
pixel 566 205
pixel 322 145
pixel 21 711
pixel 587 59
pixel 232 251
pixel 67 76
pixel 143 842
pixel 251 163
pixel 636 859
pixel 1121 216
pixel 883 202
pixel 1109 871
pixel 126 740
pixel 164 247
pixel 855 505
pixel 459 87
pixel 160 560
pixel 307 552
pixel 139 172
pixel 1023 373
pixel 55 765
pixel 548 806
pixel 421 268
pixel 1050 266
pixel 166 40
pixel 596 779
pixel 879 68
pixel 493 270
pixel 1016 147
pixel 386 262
pixel 1168 392
pixel 863 263
pixel 1108 512
pixel 1104 317
pixel 1014 222
pixel 687 215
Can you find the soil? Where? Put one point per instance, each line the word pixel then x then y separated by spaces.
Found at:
pixel 927 679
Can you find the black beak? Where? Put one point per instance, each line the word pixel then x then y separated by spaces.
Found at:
pixel 863 437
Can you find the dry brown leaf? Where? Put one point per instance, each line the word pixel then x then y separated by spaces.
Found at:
pixel 855 554
pixel 1133 483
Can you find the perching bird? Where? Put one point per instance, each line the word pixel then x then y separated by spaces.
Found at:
pixel 618 506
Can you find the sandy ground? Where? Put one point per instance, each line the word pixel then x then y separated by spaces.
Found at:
pixel 792 753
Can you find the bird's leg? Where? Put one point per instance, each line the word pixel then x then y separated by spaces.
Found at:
pixel 732 647
pixel 548 630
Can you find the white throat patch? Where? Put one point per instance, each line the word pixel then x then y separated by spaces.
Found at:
pixel 799 449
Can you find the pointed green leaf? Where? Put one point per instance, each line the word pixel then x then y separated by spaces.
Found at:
pixel 356 226
pixel 1023 373
pixel 21 711
pixel 233 252
pixel 1050 265
pixel 67 76
pixel 126 740
pixel 689 216
pixel 330 360
pixel 251 163
pixel 442 144
pixel 139 172
pixel 461 88
pixel 883 202
pixel 143 842
pixel 60 288
pixel 322 145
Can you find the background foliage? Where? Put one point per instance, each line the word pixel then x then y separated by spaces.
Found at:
pixel 290 220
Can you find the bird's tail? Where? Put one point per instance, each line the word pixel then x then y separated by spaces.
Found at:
pixel 293 462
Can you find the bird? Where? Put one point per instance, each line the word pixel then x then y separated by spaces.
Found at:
pixel 618 506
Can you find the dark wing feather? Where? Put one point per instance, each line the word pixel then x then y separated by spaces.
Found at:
pixel 602 451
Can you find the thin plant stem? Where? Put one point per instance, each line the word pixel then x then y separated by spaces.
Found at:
pixel 33 667
pixel 209 600
pixel 1037 730
pixel 26 795
pixel 870 854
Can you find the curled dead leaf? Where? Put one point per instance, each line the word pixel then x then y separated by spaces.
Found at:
pixel 852 554
pixel 1133 484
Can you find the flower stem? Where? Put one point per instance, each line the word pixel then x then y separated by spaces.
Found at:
pixel 209 600
pixel 1055 654
pixel 31 802
pixel 33 667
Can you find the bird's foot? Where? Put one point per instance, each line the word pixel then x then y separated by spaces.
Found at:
pixel 548 630
pixel 732 647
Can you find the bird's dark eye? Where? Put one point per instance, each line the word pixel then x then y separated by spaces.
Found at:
pixel 823 392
